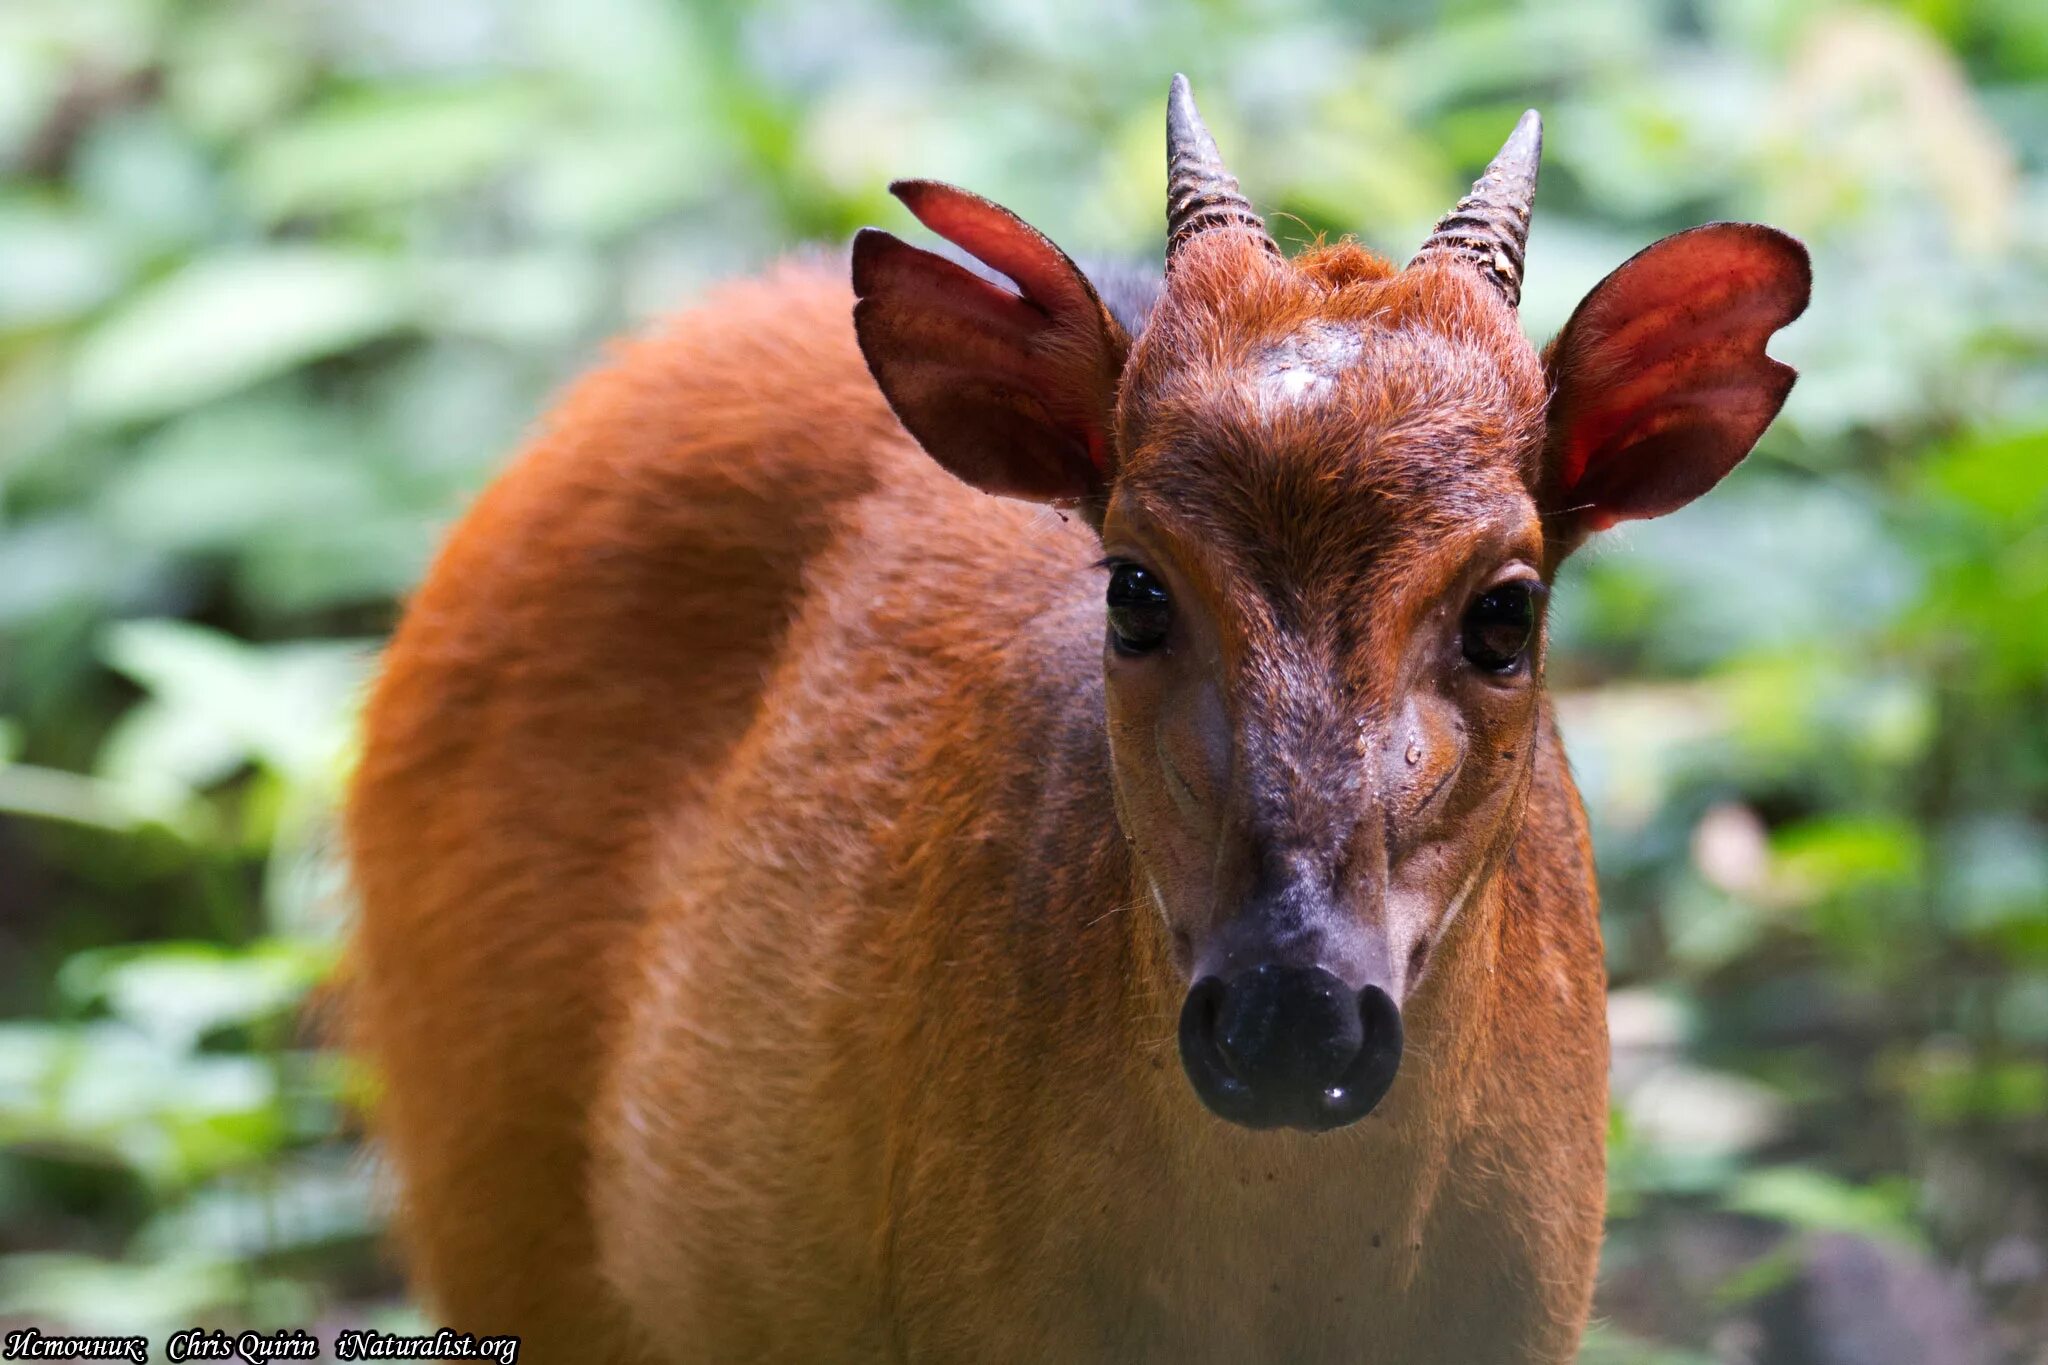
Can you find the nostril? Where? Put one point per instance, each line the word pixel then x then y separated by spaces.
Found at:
pixel 1198 1020
pixel 1379 1054
pixel 1416 957
pixel 1203 1001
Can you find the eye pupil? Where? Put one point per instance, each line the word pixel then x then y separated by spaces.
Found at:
pixel 1499 625
pixel 1139 613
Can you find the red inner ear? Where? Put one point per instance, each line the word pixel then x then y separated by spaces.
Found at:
pixel 1012 392
pixel 1660 381
pixel 1001 239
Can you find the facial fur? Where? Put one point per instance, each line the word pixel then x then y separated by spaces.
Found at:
pixel 1332 495
pixel 1324 462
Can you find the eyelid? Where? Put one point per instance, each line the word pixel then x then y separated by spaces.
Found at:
pixel 1516 572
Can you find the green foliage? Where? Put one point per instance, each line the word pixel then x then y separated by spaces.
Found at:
pixel 281 285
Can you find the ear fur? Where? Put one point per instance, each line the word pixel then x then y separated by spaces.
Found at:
pixel 1659 383
pixel 1013 392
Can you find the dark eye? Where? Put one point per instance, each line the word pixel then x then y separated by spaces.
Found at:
pixel 1138 610
pixel 1498 625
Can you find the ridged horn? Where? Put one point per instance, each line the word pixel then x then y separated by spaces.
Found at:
pixel 1490 226
pixel 1200 193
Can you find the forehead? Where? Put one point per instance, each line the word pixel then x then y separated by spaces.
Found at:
pixel 1325 419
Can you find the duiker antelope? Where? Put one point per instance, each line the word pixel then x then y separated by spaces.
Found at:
pixel 815 911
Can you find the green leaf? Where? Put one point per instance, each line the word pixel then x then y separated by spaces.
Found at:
pixel 1813 1200
pixel 54 264
pixel 43 793
pixel 231 472
pixel 1947 1088
pixel 98 1296
pixel 386 146
pixel 1833 856
pixel 105 1091
pixel 216 703
pixel 1607 1344
pixel 227 321
pixel 307 1205
pixel 180 992
pixel 2001 476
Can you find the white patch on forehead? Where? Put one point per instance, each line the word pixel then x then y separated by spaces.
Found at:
pixel 1305 365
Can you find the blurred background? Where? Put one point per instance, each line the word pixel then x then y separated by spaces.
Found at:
pixel 282 282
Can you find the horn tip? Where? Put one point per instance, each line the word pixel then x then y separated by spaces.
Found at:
pixel 1185 130
pixel 1527 139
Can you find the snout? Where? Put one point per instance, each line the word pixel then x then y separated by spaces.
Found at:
pixel 1289 1047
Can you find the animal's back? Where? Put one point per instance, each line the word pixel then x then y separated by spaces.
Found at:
pixel 585 654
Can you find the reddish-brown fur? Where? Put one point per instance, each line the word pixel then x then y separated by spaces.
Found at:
pixel 763 873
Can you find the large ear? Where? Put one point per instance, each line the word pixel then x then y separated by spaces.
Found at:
pixel 1659 383
pixel 1012 392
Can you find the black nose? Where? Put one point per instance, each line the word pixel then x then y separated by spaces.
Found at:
pixel 1289 1047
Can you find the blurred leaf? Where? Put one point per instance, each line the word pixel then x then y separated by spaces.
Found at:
pixel 137 169
pixel 1644 146
pixel 307 1207
pixel 229 320
pixel 107 1092
pixel 1948 1086
pixel 66 560
pixel 1798 707
pixel 1606 1344
pixel 1834 856
pixel 53 794
pixel 216 703
pixel 1874 112
pixel 54 264
pixel 1815 1201
pixel 1707 928
pixel 1766 1275
pixel 231 472
pixel 381 146
pixel 597 182
pixel 1998 873
pixel 235 68
pixel 180 992
pixel 1685 1112
pixel 1627 746
pixel 1762 564
pixel 104 1297
pixel 529 299
pixel 375 558
pixel 2002 476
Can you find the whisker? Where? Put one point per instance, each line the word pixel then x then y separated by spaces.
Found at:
pixel 1113 910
